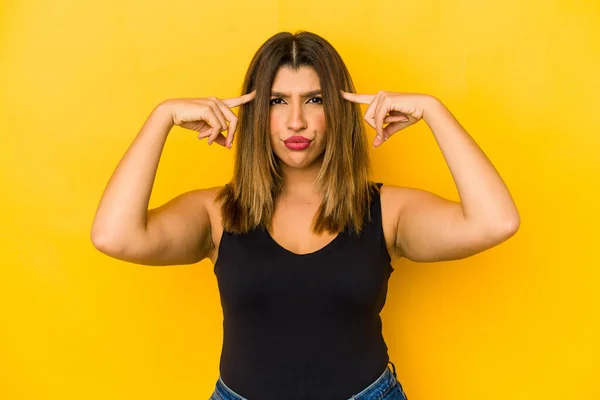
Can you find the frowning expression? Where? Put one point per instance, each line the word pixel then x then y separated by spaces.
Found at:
pixel 297 117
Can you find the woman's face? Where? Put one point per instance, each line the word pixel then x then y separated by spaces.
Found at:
pixel 297 117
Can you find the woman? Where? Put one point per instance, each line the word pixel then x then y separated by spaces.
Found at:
pixel 301 240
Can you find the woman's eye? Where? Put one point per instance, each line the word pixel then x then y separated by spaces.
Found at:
pixel 318 100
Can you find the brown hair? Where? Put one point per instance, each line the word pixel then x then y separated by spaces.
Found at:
pixel 249 199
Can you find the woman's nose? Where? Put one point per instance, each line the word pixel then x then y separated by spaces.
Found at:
pixel 297 118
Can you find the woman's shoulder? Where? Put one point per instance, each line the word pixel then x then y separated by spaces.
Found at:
pixel 209 198
pixel 204 196
pixel 392 195
pixel 205 199
pixel 211 193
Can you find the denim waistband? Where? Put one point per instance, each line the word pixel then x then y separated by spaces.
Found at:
pixel 374 391
pixel 380 387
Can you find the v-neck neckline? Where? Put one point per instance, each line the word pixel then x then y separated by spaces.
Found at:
pixel 288 252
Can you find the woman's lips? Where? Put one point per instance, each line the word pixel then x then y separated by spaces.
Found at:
pixel 297 143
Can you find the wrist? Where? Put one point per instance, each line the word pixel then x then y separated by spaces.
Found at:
pixel 431 105
pixel 164 112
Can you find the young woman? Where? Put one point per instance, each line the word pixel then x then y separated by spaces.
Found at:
pixel 301 239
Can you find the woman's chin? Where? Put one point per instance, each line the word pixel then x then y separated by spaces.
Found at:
pixel 299 160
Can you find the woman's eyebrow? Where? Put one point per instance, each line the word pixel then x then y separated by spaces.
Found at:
pixel 287 95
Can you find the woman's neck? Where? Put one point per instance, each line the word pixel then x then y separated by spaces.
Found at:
pixel 300 181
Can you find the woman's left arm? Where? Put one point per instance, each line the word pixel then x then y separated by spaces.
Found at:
pixel 485 198
pixel 432 228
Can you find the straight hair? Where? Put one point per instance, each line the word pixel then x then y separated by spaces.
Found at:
pixel 248 200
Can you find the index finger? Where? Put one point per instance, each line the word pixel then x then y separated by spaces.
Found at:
pixel 358 98
pixel 238 101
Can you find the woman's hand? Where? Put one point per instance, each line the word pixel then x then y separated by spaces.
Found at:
pixel 208 116
pixel 398 110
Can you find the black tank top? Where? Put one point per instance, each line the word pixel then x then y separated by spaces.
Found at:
pixel 303 326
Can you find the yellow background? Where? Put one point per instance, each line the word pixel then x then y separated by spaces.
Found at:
pixel 78 79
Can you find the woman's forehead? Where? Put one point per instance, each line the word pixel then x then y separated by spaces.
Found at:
pixel 296 81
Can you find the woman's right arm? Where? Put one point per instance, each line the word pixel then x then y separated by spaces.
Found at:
pixel 124 228
pixel 177 232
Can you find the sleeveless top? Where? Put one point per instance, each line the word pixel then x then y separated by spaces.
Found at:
pixel 303 326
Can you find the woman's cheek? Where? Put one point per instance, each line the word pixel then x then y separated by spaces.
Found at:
pixel 320 121
pixel 274 123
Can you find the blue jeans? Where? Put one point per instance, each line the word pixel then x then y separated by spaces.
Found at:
pixel 386 387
